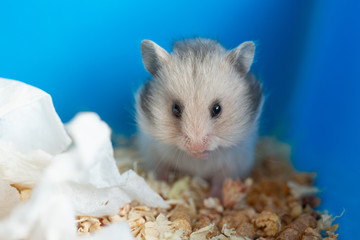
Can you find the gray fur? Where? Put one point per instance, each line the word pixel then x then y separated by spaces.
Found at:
pixel 196 48
pixel 242 57
pixel 153 56
pixel 145 100
pixel 255 95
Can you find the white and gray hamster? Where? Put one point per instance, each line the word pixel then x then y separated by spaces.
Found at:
pixel 199 113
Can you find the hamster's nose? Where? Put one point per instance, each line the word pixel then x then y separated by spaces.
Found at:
pixel 196 146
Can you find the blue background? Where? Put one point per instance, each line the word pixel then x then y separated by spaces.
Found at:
pixel 86 54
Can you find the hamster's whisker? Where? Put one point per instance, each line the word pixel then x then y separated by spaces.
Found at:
pixel 223 165
pixel 132 115
pixel 161 163
pixel 176 156
pixel 227 140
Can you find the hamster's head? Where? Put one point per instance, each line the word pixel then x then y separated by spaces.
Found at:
pixel 201 97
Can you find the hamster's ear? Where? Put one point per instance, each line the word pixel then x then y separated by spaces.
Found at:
pixel 153 56
pixel 242 56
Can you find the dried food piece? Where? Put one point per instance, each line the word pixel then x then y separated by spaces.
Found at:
pixel 268 195
pixel 181 217
pixel 268 224
pixel 246 230
pixel 234 219
pixel 295 207
pixel 296 229
pixel 211 214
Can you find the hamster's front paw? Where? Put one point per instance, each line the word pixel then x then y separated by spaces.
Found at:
pixel 216 187
pixel 163 173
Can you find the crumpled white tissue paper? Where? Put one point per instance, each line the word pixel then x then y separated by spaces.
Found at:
pixel 9 198
pixel 83 180
pixel 95 182
pixel 30 132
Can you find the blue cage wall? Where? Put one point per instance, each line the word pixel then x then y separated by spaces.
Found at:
pixel 86 54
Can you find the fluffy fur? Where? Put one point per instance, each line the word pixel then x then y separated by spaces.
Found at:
pixel 197 74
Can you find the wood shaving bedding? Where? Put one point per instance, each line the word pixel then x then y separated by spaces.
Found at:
pixel 274 203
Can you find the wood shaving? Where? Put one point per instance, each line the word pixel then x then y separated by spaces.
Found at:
pixel 162 228
pixel 299 191
pixel 233 192
pixel 203 232
pixel 88 224
pixel 274 203
pixel 213 203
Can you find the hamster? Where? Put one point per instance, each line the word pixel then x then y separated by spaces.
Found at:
pixel 199 113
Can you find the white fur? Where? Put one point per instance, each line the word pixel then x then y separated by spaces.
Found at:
pixel 198 78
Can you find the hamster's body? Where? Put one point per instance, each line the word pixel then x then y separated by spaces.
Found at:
pixel 199 113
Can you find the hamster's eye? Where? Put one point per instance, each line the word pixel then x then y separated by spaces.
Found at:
pixel 176 109
pixel 215 110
